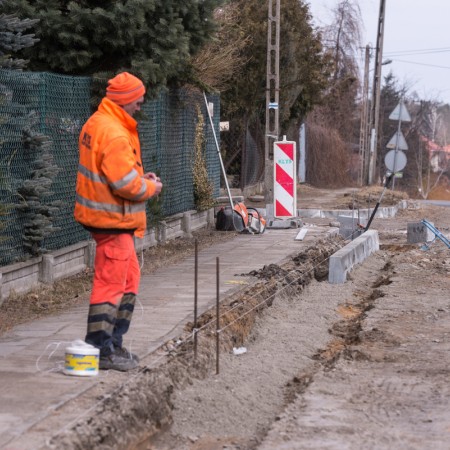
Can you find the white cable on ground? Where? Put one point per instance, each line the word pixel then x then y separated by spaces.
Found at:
pixel 54 369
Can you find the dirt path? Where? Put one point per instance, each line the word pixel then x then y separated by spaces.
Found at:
pixel 390 388
pixel 358 365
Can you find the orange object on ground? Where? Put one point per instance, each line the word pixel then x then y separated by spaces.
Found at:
pixel 253 221
pixel 240 218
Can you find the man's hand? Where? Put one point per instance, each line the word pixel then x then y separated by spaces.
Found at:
pixel 152 176
pixel 158 186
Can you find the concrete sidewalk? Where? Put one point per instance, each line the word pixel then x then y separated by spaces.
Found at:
pixel 38 400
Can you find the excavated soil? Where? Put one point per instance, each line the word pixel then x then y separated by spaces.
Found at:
pixel 358 365
pixel 148 403
pixel 303 364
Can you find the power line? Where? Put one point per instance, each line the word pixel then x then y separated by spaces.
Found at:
pixel 425 51
pixel 413 53
pixel 421 64
pixel 421 50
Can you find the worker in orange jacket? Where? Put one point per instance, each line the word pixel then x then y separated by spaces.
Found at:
pixel 111 194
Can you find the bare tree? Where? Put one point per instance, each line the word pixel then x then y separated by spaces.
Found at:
pixel 343 38
pixel 223 58
pixel 431 161
pixel 337 115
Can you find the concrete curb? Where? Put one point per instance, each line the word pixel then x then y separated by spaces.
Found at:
pixel 353 253
pixel 382 213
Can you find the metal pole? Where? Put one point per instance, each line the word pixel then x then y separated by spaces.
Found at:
pixel 364 128
pixel 195 298
pixel 217 316
pixel 376 94
pixel 272 94
pixel 397 139
pixel 302 150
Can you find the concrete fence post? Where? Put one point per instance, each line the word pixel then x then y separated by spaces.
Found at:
pixel 47 269
pixel 89 254
pixel 210 217
pixel 162 232
pixel 186 224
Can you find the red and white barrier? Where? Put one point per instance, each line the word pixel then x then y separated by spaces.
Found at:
pixel 285 180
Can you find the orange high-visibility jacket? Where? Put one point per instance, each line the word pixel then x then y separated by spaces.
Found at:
pixel 111 191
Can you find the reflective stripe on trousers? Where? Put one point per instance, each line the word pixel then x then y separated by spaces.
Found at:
pixel 116 282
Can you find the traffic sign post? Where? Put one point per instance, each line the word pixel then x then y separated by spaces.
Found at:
pixel 398 142
pixel 395 160
pixel 400 113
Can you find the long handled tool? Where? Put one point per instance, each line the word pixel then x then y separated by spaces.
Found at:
pixel 218 152
pixel 386 184
pixel 241 218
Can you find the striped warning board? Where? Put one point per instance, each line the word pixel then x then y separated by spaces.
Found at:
pixel 284 192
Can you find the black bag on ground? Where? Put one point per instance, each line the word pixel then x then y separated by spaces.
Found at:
pixel 228 219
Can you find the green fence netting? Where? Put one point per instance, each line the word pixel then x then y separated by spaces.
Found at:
pixel 57 106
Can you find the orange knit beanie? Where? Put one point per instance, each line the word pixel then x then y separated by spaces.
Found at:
pixel 124 88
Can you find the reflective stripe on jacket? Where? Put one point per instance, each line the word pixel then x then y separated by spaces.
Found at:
pixel 111 191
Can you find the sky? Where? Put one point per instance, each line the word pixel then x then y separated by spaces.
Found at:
pixel 416 39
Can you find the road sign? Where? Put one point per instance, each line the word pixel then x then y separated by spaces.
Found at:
pixel 284 189
pixel 398 142
pixel 395 161
pixel 400 113
pixel 224 126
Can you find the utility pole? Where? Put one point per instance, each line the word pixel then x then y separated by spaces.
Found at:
pixel 364 127
pixel 272 94
pixel 376 88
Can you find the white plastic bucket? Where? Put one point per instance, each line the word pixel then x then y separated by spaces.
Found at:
pixel 81 359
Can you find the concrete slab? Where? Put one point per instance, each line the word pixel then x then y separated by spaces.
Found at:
pixel 382 212
pixel 353 253
pixel 418 232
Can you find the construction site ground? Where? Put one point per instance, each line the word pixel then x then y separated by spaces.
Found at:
pixel 303 363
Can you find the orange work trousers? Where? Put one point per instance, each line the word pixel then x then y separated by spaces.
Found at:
pixel 116 268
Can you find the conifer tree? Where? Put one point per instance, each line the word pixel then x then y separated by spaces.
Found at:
pixel 152 38
pixel 304 69
pixel 39 212
pixel 12 39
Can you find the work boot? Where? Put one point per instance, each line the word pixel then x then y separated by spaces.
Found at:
pixel 116 362
pixel 125 353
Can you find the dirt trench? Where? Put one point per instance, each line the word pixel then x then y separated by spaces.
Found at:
pixel 304 340
pixel 146 407
pixel 301 336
